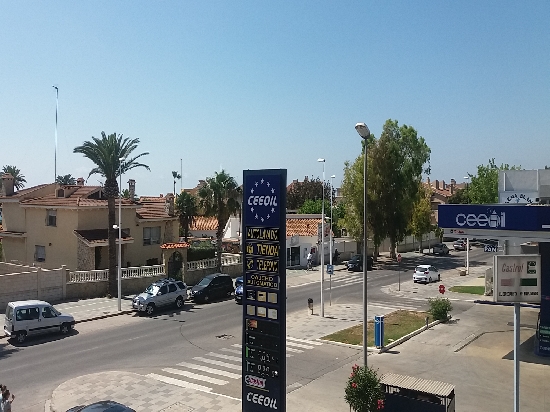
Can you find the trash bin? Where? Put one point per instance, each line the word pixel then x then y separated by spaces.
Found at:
pixel 379 331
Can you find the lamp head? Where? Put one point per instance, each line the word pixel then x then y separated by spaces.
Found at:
pixel 333 177
pixel 363 130
pixel 321 160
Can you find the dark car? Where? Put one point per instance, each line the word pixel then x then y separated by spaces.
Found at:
pixel 440 249
pixel 212 287
pixel 355 264
pixel 460 244
pixel 239 289
pixel 102 406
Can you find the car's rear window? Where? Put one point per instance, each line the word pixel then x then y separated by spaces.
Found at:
pixel 421 269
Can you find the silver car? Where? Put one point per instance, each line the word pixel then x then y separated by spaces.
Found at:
pixel 163 292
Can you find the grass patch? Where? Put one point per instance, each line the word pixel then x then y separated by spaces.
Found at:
pixel 396 325
pixel 474 290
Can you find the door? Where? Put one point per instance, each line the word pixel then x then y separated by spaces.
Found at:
pixel 49 319
pixel 217 288
pixel 28 319
pixel 164 296
pixel 174 264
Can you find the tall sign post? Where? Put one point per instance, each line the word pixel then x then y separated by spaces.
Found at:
pixel 264 291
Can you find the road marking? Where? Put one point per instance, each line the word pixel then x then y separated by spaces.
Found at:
pixel 210 370
pixel 180 383
pixel 235 351
pixel 309 342
pixel 299 345
pixel 195 376
pixel 294 350
pixel 227 357
pixel 237 345
pixel 219 363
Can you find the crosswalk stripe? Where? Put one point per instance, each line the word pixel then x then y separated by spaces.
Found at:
pixel 237 345
pixel 288 355
pixel 179 382
pixel 206 369
pixel 195 376
pixel 219 363
pixel 226 357
pixel 347 281
pixel 309 342
pixel 237 352
pixel 299 345
pixel 343 286
pixel 294 350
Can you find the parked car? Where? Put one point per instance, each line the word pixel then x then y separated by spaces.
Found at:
pixel 440 249
pixel 34 317
pixel 426 274
pixel 239 289
pixel 460 244
pixel 212 287
pixel 102 406
pixel 355 264
pixel 163 292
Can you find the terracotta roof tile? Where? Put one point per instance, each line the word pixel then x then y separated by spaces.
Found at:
pixel 180 245
pixel 205 223
pixel 153 208
pixel 302 226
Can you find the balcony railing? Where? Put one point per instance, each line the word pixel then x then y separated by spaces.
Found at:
pixel 82 276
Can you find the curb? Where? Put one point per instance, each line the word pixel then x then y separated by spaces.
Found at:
pixel 407 337
pixel 523 305
pixel 108 315
pixel 347 345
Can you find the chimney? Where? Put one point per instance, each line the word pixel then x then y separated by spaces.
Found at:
pixel 444 185
pixel 169 204
pixel 80 181
pixel 452 188
pixel 453 182
pixel 437 184
pixel 7 184
pixel 132 188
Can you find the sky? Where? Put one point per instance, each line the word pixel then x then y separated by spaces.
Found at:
pixel 206 85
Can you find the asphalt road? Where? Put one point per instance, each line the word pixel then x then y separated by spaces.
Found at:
pixel 146 345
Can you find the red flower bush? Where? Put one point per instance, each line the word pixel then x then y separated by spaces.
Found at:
pixel 363 390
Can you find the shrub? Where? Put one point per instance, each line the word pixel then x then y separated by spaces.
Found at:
pixel 200 253
pixel 440 308
pixel 363 390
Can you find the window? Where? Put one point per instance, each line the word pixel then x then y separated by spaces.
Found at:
pixel 51 217
pixel 47 312
pixel 151 235
pixel 181 285
pixel 163 290
pixel 172 288
pixel 40 253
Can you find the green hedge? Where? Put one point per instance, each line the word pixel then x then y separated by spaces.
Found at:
pixel 200 253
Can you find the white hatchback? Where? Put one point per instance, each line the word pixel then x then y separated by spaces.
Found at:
pixel 426 274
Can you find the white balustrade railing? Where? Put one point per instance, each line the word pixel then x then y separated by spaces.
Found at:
pixel 81 276
pixel 227 260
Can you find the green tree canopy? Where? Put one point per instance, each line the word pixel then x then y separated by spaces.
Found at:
pixel 176 176
pixel 18 178
pixel 309 189
pixel 186 209
pixel 220 197
pixel 484 186
pixel 421 218
pixel 111 155
pixel 65 180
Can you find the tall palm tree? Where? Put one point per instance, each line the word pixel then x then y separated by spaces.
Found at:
pixel 176 176
pixel 65 180
pixel 220 197
pixel 18 178
pixel 186 209
pixel 112 155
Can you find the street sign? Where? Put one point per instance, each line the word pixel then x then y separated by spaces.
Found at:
pixel 399 258
pixel 490 248
pixel 330 269
pixel 442 289
pixel 517 278
pixel 264 291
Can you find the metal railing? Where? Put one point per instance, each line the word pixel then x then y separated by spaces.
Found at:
pixel 82 276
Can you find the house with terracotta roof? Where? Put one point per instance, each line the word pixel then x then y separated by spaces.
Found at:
pixel 51 225
pixel 440 192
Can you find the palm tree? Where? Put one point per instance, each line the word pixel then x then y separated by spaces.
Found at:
pixel 220 198
pixel 126 195
pixel 65 180
pixel 18 179
pixel 112 155
pixel 187 209
pixel 176 175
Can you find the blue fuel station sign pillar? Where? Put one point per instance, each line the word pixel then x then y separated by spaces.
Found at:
pixel 264 290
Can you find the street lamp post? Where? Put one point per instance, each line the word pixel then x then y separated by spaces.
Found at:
pixel 322 248
pixel 364 132
pixel 331 238
pixel 467 178
pixel 120 160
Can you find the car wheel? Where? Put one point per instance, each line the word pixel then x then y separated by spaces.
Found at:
pixel 414 281
pixel 430 280
pixel 179 302
pixel 439 278
pixel 150 309
pixel 21 336
pixel 206 299
pixel 64 328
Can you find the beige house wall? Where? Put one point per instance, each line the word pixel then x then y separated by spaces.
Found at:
pixel 13 249
pixel 13 217
pixel 137 253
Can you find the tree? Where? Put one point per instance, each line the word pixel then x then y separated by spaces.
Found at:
pixel 18 178
pixel 187 210
pixel 176 176
pixel 65 180
pixel 298 192
pixel 219 197
pixel 484 186
pixel 461 196
pixel 126 195
pixel 420 223
pixel 106 152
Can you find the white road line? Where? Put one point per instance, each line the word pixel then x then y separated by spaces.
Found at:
pixel 294 350
pixel 179 382
pixel 288 356
pixel 309 342
pixel 299 345
pixel 343 286
pixel 219 363
pixel 226 357
pixel 235 351
pixel 195 376
pixel 237 345
pixel 347 281
pixel 210 370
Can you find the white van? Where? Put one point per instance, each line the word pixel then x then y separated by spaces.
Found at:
pixel 33 317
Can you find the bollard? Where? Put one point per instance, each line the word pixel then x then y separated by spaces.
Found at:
pixel 427 322
pixel 310 305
